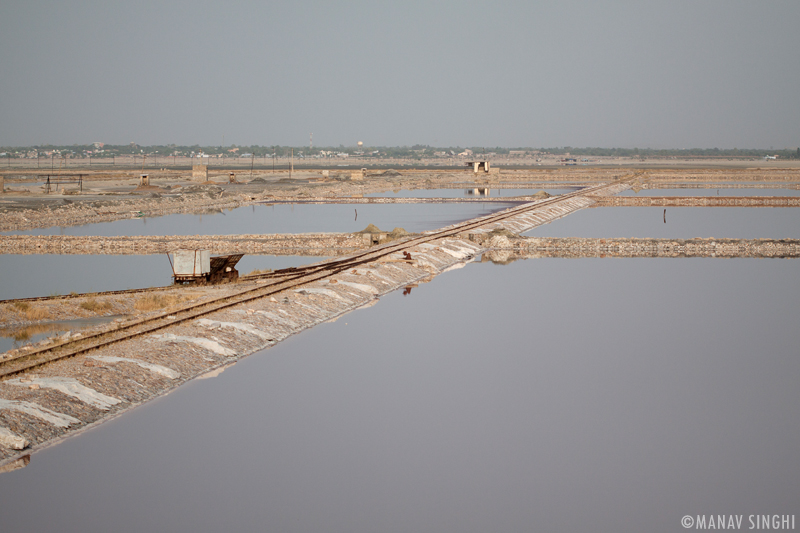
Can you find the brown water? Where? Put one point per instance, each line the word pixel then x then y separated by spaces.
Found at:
pixel 545 395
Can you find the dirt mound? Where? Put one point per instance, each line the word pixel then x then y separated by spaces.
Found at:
pixel 502 232
pixel 372 228
pixel 391 173
pixel 212 191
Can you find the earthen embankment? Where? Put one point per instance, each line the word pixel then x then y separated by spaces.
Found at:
pixel 312 244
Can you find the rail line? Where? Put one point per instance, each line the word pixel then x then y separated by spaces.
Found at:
pixel 277 281
pixel 125 292
pixel 82 295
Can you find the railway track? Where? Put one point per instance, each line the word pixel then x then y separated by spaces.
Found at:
pixel 269 284
pixel 82 295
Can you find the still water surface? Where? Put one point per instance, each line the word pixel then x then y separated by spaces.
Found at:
pixel 712 192
pixel 681 223
pixel 288 218
pixel 14 337
pixel 545 395
pixel 25 276
pixel 465 192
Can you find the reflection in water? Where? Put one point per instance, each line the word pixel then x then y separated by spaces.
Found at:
pixel 26 276
pixel 685 223
pixel 637 191
pixel 500 257
pixel 216 372
pixel 549 392
pixel 291 218
pixel 24 333
pixel 14 337
pixel 456 193
pixel 22 462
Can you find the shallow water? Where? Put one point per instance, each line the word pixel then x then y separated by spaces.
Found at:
pixel 287 218
pixel 465 193
pixel 712 192
pixel 26 276
pixel 681 223
pixel 546 395
pixel 20 336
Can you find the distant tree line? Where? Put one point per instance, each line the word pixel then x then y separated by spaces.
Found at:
pixel 417 151
pixel 683 152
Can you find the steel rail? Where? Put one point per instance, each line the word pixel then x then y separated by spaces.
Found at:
pixel 83 295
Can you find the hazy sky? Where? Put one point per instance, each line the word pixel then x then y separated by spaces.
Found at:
pixel 660 74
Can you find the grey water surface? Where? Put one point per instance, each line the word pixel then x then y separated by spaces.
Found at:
pixel 286 218
pixel 467 192
pixel 712 192
pixel 681 223
pixel 555 395
pixel 26 276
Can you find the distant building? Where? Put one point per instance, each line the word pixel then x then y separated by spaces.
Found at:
pixel 482 165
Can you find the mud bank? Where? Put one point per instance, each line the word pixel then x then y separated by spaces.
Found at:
pixel 514 247
pixel 315 244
